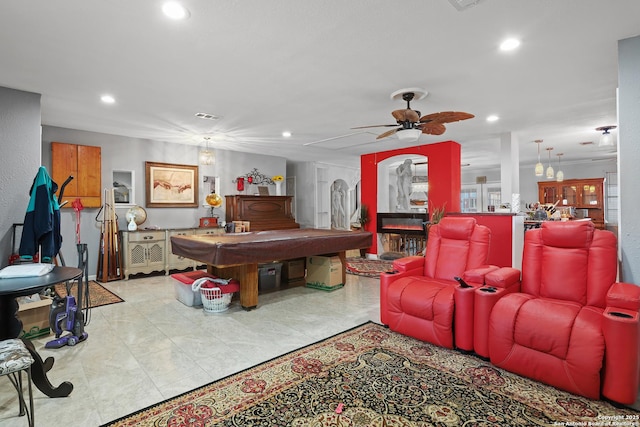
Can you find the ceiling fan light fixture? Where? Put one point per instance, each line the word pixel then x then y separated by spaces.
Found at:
pixel 409 135
pixel 606 139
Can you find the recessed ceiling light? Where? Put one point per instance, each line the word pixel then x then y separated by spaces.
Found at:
pixel 492 118
pixel 207 116
pixel 286 134
pixel 509 44
pixel 175 10
pixel 107 99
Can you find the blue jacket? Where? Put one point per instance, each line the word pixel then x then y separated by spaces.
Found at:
pixel 42 220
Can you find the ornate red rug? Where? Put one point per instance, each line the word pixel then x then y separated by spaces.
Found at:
pixel 367 267
pixel 370 376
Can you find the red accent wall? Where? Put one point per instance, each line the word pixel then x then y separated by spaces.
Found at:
pixel 501 226
pixel 443 175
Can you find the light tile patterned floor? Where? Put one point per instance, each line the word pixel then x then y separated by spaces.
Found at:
pixel 152 347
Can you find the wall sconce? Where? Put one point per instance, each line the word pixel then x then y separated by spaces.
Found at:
pixel 606 139
pixel 560 174
pixel 539 167
pixel 206 155
pixel 550 173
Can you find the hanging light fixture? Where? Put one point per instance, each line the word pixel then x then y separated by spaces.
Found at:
pixel 606 139
pixel 560 174
pixel 550 173
pixel 206 155
pixel 539 167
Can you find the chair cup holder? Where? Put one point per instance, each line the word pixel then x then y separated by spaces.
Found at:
pixel 491 290
pixel 391 272
pixel 622 315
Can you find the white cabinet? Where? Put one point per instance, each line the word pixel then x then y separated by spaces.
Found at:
pixel 144 251
pixel 209 231
pixel 213 231
pixel 177 262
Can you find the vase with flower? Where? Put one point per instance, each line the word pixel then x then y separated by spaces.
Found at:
pixel 277 180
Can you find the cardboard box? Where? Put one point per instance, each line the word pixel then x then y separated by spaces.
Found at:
pixel 35 318
pixel 293 269
pixel 324 272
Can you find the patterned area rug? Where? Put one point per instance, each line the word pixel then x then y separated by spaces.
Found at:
pixel 98 294
pixel 367 267
pixel 370 376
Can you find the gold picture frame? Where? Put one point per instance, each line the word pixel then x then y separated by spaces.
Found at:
pixel 169 185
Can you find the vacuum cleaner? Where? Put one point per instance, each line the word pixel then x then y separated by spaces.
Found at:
pixel 65 316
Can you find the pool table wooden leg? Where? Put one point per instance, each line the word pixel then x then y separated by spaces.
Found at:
pixel 247 274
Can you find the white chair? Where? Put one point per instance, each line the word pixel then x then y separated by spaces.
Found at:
pixel 15 358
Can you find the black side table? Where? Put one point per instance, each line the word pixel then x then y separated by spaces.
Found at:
pixel 11 326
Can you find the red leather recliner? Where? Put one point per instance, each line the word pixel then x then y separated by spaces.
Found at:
pixel 571 325
pixel 420 298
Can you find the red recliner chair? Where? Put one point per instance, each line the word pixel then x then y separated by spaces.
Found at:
pixel 420 298
pixel 571 325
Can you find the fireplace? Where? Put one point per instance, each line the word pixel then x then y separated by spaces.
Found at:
pixel 403 232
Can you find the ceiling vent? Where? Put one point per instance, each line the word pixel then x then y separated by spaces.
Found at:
pixel 464 4
pixel 207 116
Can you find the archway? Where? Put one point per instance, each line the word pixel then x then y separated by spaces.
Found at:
pixel 443 177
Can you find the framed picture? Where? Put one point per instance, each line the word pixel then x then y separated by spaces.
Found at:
pixel 263 190
pixel 171 186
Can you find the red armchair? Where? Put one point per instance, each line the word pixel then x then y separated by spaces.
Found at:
pixel 420 298
pixel 571 325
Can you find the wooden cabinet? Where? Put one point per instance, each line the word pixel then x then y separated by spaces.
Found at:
pixel 586 195
pixel 83 162
pixel 264 212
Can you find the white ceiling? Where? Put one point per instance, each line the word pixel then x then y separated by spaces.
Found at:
pixel 319 68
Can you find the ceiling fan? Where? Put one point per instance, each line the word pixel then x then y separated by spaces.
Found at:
pixel 431 124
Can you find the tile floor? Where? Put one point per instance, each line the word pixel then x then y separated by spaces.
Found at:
pixel 152 347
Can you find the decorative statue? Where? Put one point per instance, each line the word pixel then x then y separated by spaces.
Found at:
pixel 404 175
pixel 338 216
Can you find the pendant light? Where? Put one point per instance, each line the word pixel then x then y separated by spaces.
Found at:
pixel 560 174
pixel 539 170
pixel 606 139
pixel 206 155
pixel 550 173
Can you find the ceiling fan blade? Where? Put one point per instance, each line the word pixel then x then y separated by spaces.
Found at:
pixel 432 128
pixel 446 117
pixel 376 126
pixel 388 133
pixel 406 115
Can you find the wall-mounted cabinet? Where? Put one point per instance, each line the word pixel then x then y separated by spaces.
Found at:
pixel 585 195
pixel 83 162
